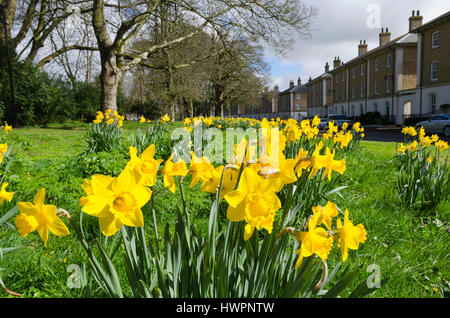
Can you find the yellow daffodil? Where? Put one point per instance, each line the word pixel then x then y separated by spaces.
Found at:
pixel 315 241
pixel 349 235
pixel 441 145
pixel 3 148
pixel 142 120
pixel 7 128
pixel 4 195
pixel 115 201
pixel 187 121
pixel 200 168
pixel 164 119
pixel 315 122
pixel 172 169
pixel 409 131
pixel 402 148
pixel 344 126
pixel 254 201
pixel 332 165
pixel 326 213
pixel 211 181
pixel 282 173
pixel 302 162
pixel 144 167
pixel 41 217
pixel 110 121
pixel 412 146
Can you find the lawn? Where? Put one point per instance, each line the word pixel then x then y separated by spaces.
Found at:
pixel 410 248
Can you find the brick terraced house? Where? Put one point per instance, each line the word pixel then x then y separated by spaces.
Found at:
pixel 433 67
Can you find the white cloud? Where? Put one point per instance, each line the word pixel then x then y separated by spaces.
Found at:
pixel 340 25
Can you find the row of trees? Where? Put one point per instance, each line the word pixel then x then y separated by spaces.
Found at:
pixel 184 56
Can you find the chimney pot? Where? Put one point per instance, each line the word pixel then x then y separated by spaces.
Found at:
pixel 415 21
pixel 385 36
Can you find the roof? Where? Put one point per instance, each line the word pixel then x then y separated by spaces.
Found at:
pixel 404 39
pixel 295 89
pixel 440 19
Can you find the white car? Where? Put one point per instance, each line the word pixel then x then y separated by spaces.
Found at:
pixel 437 124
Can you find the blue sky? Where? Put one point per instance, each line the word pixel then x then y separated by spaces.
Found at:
pixel 337 32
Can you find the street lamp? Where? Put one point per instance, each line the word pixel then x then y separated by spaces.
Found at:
pixel 13 112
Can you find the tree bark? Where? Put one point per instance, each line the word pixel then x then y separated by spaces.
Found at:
pixel 109 79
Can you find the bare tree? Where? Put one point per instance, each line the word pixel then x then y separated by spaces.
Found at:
pixel 117 24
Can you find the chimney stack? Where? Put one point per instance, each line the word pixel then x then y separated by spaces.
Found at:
pixel 276 88
pixel 336 62
pixel 415 20
pixel 385 36
pixel 299 81
pixel 327 68
pixel 310 79
pixel 291 84
pixel 362 48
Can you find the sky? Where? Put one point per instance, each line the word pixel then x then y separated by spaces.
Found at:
pixel 337 29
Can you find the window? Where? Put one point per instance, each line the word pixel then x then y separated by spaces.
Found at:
pixel 362 69
pixel 337 95
pixel 377 65
pixel 435 40
pixel 343 94
pixel 337 79
pixel 353 72
pixel 376 88
pixel 433 103
pixel 388 85
pixel 362 89
pixel 387 110
pixel 299 96
pixel 388 60
pixel 434 70
pixel 353 92
pixel 299 105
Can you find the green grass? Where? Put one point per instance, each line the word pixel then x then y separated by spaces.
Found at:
pixel 412 250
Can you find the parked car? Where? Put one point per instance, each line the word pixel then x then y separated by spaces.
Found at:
pixel 338 119
pixel 437 124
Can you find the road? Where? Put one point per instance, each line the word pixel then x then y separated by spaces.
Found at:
pixel 389 134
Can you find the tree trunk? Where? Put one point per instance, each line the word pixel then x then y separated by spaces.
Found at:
pixel 109 81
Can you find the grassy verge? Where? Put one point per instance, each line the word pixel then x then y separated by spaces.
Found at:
pixel 410 249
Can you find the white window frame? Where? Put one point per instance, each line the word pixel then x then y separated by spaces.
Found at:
pixel 353 72
pixel 299 96
pixel 362 69
pixel 377 65
pixel 299 106
pixel 388 60
pixel 388 84
pixel 434 71
pixel 435 40
pixel 362 90
pixel 376 87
